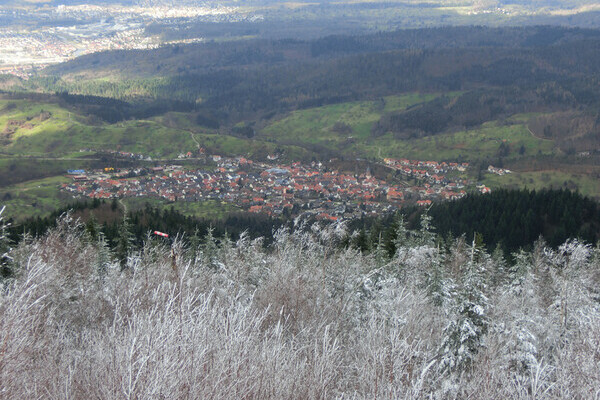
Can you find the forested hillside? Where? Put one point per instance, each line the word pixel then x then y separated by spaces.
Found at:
pixel 504 71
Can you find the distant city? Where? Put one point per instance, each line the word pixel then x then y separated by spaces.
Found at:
pixel 66 32
pixel 36 34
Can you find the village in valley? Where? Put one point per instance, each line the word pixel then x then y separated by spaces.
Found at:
pixel 276 188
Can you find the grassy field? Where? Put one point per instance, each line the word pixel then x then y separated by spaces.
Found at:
pixel 317 125
pixel 341 128
pixel 36 198
pixel 62 134
pixel 321 127
pixel 472 145
pixel 47 130
pixel 555 179
pixel 14 170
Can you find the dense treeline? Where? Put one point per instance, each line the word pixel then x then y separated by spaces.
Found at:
pixel 505 219
pixel 114 110
pixel 174 223
pixel 475 107
pixel 516 218
pixel 196 58
pixel 508 219
pixel 110 108
pixel 107 217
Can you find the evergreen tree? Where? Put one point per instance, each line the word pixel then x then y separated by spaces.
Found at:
pixel 125 240
pixel 103 255
pixel 403 235
pixel 518 271
pixel 361 240
pixel 210 250
pixel 569 257
pixel 380 253
pixel 93 228
pixel 440 288
pixel 425 236
pixel 464 334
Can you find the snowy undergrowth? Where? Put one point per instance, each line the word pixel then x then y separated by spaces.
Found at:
pixel 304 319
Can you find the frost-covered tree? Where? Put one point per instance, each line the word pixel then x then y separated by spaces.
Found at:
pixel 103 255
pixel 499 272
pixel 210 250
pixel 194 246
pixel 464 334
pixel 566 261
pixel 440 287
pixel 517 272
pixel 380 253
pixel 6 258
pixel 403 236
pixel 425 236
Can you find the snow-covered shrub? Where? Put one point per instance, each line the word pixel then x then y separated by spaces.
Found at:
pixel 305 318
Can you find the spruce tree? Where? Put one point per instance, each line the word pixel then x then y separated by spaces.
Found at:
pixel 125 240
pixel 380 253
pixel 403 238
pixel 464 334
pixel 210 249
pixel 440 288
pixel 425 236
pixel 93 228
pixel 103 255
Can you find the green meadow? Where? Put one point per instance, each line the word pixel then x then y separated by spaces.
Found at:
pixel 318 125
pixel 537 180
pixel 347 128
pixel 36 198
pixel 471 145
pixel 62 134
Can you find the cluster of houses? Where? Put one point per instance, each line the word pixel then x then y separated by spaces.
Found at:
pixel 439 185
pixel 261 187
pixel 498 171
pixel 429 170
pixel 119 154
pixel 20 53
